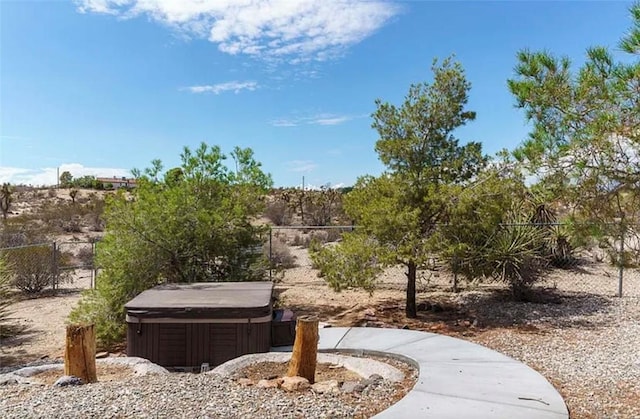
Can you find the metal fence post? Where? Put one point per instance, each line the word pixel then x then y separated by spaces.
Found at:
pixel 94 269
pixel 54 261
pixel 270 251
pixel 621 261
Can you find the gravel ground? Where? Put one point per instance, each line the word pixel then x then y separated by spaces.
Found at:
pixel 592 358
pixel 189 395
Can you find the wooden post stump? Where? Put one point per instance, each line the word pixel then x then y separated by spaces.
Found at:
pixel 80 353
pixel 305 349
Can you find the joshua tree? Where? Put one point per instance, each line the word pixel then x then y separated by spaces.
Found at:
pixel 5 199
pixel 73 193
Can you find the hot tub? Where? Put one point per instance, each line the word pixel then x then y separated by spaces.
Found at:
pixel 187 325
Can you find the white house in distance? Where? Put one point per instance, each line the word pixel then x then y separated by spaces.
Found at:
pixel 117 182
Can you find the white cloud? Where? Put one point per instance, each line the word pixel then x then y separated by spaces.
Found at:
pixel 301 166
pixel 284 123
pixel 321 119
pixel 330 121
pixel 312 187
pixel 48 176
pixel 216 89
pixel 291 30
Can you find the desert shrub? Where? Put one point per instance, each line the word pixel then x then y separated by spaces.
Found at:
pixel 281 257
pixel 297 240
pixel 7 327
pixel 197 228
pixel 559 247
pixel 85 256
pixel 321 236
pixel 333 235
pixel 32 267
pixel 62 216
pixel 95 210
pixel 51 193
pixel 354 262
pixel 278 213
pixel 304 240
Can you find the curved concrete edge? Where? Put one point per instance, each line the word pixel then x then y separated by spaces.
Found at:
pixel 457 379
pixel 361 366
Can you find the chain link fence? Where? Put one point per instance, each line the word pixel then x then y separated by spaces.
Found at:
pixel 608 265
pixel 56 265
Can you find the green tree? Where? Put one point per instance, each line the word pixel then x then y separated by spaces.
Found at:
pixel 173 176
pixel 196 230
pixel 398 213
pixel 585 142
pixel 85 182
pixel 66 179
pixel 631 42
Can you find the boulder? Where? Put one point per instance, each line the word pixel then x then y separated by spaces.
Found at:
pixel 68 380
pixel 352 387
pixel 245 382
pixel 295 383
pixel 330 387
pixel 275 383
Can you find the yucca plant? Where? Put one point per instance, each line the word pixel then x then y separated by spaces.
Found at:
pixel 513 254
pixel 516 256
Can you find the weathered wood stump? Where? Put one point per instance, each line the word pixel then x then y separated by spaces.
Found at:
pixel 80 353
pixel 305 349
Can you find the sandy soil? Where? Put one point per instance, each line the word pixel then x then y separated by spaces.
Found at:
pixel 44 322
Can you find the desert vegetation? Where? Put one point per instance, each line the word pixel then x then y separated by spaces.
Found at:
pixel 192 225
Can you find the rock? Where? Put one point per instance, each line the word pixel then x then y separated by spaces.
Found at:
pixel 352 387
pixel 68 380
pixel 8 381
pixel 102 355
pixel 245 382
pixel 373 378
pixel 295 383
pixel 330 387
pixel 275 383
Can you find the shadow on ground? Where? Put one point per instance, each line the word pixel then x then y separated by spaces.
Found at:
pixel 469 312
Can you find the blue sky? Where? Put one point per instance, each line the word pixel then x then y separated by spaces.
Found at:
pixel 102 86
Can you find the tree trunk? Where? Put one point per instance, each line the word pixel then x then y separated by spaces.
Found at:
pixel 411 291
pixel 305 349
pixel 80 353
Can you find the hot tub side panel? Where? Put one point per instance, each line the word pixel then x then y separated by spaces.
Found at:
pixel 192 344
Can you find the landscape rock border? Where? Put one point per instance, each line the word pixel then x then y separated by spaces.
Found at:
pixel 365 367
pixel 139 366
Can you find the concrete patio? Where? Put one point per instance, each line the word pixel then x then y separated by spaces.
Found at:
pixel 457 379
